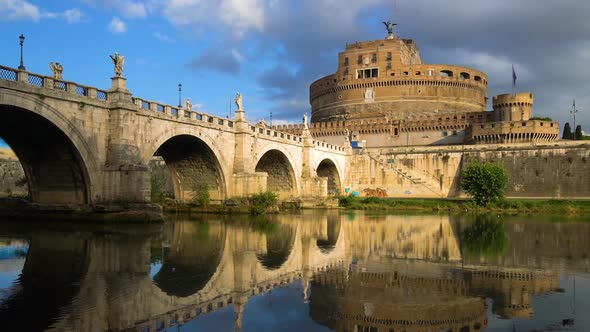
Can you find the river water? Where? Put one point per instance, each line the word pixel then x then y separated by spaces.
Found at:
pixel 308 271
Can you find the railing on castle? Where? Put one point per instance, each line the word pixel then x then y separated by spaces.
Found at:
pixel 46 82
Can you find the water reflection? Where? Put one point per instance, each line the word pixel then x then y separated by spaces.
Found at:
pixel 310 271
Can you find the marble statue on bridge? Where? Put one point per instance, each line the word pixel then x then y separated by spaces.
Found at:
pixel 119 62
pixel 57 70
pixel 188 105
pixel 239 102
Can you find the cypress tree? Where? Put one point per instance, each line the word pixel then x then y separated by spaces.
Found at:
pixel 567 131
pixel 578 132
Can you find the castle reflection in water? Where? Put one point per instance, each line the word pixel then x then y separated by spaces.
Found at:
pixel 354 272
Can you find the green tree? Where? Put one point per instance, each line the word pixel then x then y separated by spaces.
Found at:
pixel 485 182
pixel 567 131
pixel 578 135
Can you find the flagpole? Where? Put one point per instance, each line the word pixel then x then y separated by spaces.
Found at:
pixel 513 81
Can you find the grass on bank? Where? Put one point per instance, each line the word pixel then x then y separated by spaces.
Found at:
pixel 509 206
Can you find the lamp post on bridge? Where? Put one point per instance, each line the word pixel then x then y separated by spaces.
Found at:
pixel 22 42
pixel 179 95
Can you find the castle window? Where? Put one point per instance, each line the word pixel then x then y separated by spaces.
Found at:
pixel 464 76
pixel 482 126
pixel 406 73
pixel 524 124
pixel 367 73
pixel 445 133
pixel 454 133
pixel 374 58
pixel 430 72
pixel 360 60
pixel 389 56
pixel 541 124
pixel 395 131
pixel 477 78
pixel 418 73
pixel 346 71
pixel 446 73
pixel 389 65
pixel 346 61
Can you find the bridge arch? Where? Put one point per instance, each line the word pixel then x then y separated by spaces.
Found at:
pixel 279 244
pixel 279 165
pixel 329 169
pixel 194 161
pixel 334 228
pixel 59 164
pixel 193 258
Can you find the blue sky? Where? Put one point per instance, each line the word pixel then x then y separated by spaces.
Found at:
pixel 271 50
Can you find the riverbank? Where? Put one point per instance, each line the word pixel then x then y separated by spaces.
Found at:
pixel 507 206
pixel 14 208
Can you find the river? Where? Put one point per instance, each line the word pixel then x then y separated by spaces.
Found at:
pixel 305 271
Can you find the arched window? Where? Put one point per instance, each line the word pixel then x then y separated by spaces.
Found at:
pixel 446 73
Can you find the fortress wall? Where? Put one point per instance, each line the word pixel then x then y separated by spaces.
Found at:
pixel 559 170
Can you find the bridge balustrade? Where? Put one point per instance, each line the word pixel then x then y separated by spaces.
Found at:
pixel 40 81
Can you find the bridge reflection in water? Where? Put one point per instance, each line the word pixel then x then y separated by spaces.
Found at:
pixel 352 272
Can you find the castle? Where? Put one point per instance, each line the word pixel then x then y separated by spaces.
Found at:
pixel 384 95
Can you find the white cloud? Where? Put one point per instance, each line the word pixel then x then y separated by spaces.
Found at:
pixel 117 26
pixel 14 10
pixel 242 15
pixel 163 37
pixel 237 55
pixel 73 15
pixel 238 15
pixel 126 8
pixel 133 9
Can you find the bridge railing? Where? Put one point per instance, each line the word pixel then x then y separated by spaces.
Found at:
pixel 181 113
pixel 46 82
pixel 261 130
pixel 328 146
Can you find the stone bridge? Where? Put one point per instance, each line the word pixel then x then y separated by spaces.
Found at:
pixel 83 145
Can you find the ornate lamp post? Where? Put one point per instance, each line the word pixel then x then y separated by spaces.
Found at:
pixel 179 95
pixel 22 42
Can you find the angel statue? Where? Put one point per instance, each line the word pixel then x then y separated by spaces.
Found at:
pixel 57 70
pixel 390 27
pixel 119 62
pixel 238 101
pixel 188 105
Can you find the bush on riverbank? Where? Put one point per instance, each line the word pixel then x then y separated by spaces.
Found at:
pixel 261 203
